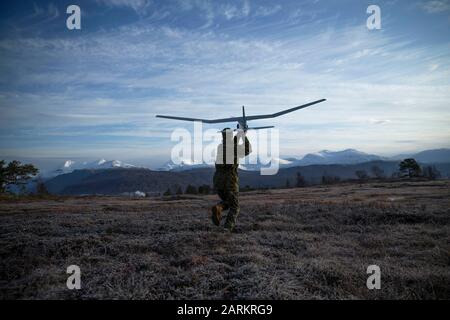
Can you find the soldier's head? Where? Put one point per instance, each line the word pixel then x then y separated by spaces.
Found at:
pixel 227 135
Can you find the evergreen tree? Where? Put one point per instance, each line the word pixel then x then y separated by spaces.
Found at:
pixel 410 167
pixel 15 173
pixel 362 175
pixel 288 184
pixel 378 172
pixel 191 190
pixel 41 189
pixel 431 172
pixel 300 180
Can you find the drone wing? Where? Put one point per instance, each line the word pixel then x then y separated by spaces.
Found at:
pixel 239 119
pixel 258 128
pixel 277 114
pixel 202 120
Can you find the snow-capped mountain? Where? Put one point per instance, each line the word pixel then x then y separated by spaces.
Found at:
pixel 282 163
pixel 189 165
pixel 184 165
pixel 70 166
pixel 348 156
pixel 105 164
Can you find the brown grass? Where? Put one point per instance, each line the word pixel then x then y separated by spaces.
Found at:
pixel 311 243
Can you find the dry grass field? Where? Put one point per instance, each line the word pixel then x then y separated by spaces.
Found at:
pixel 306 243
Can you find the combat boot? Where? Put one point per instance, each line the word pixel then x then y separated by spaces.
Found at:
pixel 231 221
pixel 216 213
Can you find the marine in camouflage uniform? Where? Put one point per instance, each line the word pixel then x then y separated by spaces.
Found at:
pixel 226 178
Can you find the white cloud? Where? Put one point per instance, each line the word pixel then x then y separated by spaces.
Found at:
pixel 246 8
pixel 234 12
pixel 37 10
pixel 379 121
pixel 139 6
pixel 267 11
pixel 51 12
pixel 92 87
pixel 434 67
pixel 436 6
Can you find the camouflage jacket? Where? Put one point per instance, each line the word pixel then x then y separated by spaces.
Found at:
pixel 227 164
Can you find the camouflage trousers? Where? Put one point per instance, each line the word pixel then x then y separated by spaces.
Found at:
pixel 226 182
pixel 230 200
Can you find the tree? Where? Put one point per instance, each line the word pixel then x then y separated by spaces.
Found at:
pixel 326 179
pixel 168 192
pixel 2 176
pixel 378 172
pixel 191 190
pixel 179 191
pixel 204 189
pixel 288 184
pixel 410 167
pixel 395 175
pixel 41 189
pixel 362 175
pixel 300 180
pixel 15 173
pixel 431 172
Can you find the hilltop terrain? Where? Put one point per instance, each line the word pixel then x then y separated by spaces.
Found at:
pixel 304 243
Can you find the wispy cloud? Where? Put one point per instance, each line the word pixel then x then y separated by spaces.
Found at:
pixel 264 11
pixel 139 6
pixel 379 121
pixel 50 12
pixel 436 6
pixel 107 86
pixel 232 11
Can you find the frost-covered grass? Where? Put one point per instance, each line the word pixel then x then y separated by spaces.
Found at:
pixel 309 243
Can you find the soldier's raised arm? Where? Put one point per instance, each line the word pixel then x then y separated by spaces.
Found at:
pixel 245 148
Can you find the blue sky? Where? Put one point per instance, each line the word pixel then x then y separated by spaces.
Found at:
pixel 94 92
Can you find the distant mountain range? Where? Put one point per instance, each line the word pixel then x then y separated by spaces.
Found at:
pixel 348 156
pixel 184 165
pixel 117 181
pixel 70 166
pixel 324 157
pixel 113 177
pixel 427 156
